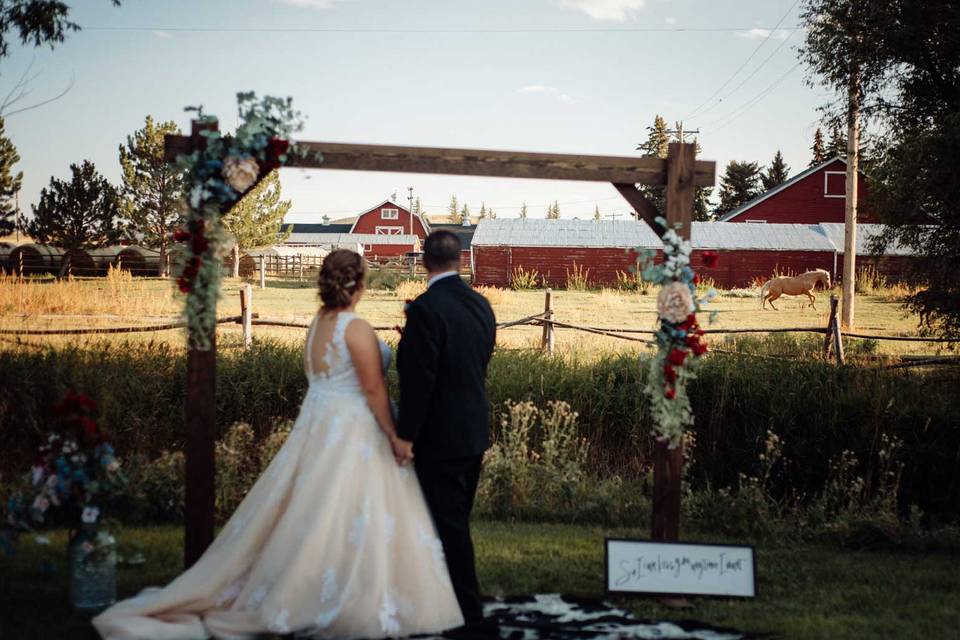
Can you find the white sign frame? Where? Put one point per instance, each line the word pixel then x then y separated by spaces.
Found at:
pixel 647 567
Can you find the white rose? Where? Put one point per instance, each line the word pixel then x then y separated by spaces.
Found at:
pixel 90 515
pixel 240 172
pixel 674 302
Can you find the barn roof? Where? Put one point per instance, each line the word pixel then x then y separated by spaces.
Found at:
pixel 780 187
pixel 344 239
pixel 311 227
pixel 464 233
pixel 527 232
pixel 285 250
pixel 766 237
pixel 392 203
pixel 836 232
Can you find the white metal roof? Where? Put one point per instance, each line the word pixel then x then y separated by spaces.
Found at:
pixel 730 236
pixel 346 239
pixel 283 250
pixel 766 237
pixel 836 232
pixel 527 232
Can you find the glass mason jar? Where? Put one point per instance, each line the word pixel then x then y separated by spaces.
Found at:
pixel 92 561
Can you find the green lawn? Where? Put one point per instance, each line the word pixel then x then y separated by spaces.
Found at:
pixel 805 591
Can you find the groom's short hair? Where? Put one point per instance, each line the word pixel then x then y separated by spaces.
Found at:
pixel 441 250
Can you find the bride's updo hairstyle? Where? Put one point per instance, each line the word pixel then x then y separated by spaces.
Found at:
pixel 342 274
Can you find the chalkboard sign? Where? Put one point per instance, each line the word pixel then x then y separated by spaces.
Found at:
pixel 680 568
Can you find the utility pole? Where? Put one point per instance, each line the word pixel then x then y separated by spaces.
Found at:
pixel 410 200
pixel 613 216
pixel 680 133
pixel 850 208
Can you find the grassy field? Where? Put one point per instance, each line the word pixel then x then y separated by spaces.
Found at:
pixel 120 301
pixel 804 592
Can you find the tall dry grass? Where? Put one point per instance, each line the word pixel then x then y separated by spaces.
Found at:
pixel 119 293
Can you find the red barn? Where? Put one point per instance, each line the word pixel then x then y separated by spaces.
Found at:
pixel 812 196
pixel 390 219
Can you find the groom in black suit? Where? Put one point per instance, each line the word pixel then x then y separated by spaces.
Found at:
pixel 444 415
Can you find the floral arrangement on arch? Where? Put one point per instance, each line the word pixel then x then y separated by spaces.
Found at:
pixel 680 340
pixel 218 175
pixel 72 478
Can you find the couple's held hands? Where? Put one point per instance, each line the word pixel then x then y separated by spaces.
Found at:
pixel 402 450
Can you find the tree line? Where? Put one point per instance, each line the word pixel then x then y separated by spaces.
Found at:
pixel 86 211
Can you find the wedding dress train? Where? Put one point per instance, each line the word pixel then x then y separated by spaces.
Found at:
pixel 333 540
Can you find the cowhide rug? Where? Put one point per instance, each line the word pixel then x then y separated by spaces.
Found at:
pixel 565 618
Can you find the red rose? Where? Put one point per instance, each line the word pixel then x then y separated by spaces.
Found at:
pixel 276 147
pixel 199 244
pixel 699 348
pixel 710 259
pixel 696 278
pixel 89 427
pixel 181 235
pixel 86 402
pixel 676 357
pixel 670 394
pixel 184 285
pixel 669 374
pixel 192 269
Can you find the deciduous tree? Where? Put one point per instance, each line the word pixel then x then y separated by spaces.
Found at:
pixel 256 220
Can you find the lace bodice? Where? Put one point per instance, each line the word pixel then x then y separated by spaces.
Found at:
pixel 336 372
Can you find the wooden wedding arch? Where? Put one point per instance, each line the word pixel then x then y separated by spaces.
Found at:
pixel 680 173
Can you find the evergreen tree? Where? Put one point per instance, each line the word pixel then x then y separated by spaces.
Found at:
pixel 657 139
pixel 256 220
pixel 553 211
pixel 818 149
pixel 483 210
pixel 739 184
pixel 454 210
pixel 153 189
pixel 492 214
pixel 417 207
pixel 838 144
pixel 9 182
pixel 523 210
pixel 464 214
pixel 80 214
pixel 776 173
pixel 596 212
pixel 657 144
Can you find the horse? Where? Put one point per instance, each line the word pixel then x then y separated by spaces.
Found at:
pixel 793 286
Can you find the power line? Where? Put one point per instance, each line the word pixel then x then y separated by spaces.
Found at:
pixel 745 62
pixel 726 120
pixel 422 30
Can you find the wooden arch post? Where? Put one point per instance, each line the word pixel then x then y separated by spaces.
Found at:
pixel 680 173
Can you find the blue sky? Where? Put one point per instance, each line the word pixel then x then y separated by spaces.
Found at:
pixel 571 76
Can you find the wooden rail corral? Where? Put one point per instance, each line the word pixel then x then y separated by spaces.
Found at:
pixel 680 173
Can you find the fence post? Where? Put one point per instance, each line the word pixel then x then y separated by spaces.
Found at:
pixel 246 314
pixel 263 273
pixel 834 336
pixel 828 336
pixel 547 341
pixel 299 267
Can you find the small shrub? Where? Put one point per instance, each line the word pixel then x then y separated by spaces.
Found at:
pixel 523 280
pixel 383 279
pixel 410 289
pixel 495 296
pixel 578 278
pixel 627 281
pixel 870 281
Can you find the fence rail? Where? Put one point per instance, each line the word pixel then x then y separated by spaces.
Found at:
pixel 833 337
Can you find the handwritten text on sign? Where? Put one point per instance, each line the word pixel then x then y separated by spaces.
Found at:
pixel 636 566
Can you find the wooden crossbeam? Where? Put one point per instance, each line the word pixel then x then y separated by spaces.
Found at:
pixel 476 162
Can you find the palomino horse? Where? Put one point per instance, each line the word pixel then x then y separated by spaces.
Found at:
pixel 801 285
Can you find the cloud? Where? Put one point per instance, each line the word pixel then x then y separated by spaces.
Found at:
pixel 310 4
pixel 615 10
pixel 544 90
pixel 758 34
pixel 670 20
pixel 163 35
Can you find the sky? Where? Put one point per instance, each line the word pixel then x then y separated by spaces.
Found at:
pixel 565 76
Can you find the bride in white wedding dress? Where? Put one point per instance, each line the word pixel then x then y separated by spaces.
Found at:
pixel 334 539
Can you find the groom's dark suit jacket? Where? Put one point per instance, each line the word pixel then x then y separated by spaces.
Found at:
pixel 442 361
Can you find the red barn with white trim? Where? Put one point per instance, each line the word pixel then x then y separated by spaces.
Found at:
pixel 812 196
pixel 390 219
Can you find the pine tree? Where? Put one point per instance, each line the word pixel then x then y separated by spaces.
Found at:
pixel 80 214
pixel 657 144
pixel 776 173
pixel 657 139
pixel 739 184
pixel 9 182
pixel 838 144
pixel 153 189
pixel 454 210
pixel 818 150
pixel 523 211
pixel 256 220
pixel 492 214
pixel 483 210
pixel 553 211
pixel 417 207
pixel 464 214
pixel 596 212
